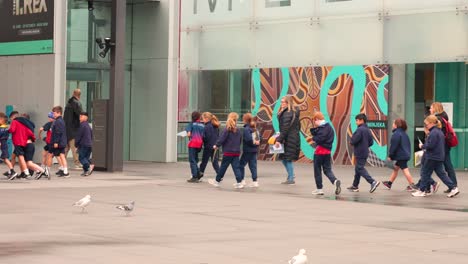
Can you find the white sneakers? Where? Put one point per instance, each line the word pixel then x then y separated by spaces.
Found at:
pixel 253 184
pixel 213 182
pixel 318 192
pixel 239 185
pixel 453 192
pixel 419 194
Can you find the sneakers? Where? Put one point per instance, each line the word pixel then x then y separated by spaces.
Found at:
pixel 435 187
pixel 318 192
pixel 87 173
pixel 7 173
pixel 411 188
pixel 337 187
pixel 64 175
pixel 288 182
pixel 419 194
pixel 374 186
pixel 193 180
pixel 239 185
pixel 44 173
pixel 453 192
pixel 200 175
pixel 253 184
pixel 448 190
pixel 387 184
pixel 213 182
pixel 12 176
pixel 242 182
pixel 59 172
pixel 353 188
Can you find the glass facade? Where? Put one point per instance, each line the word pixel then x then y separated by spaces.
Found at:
pixel 318 51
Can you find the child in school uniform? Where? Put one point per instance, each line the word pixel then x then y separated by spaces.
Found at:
pixel 251 140
pixel 362 140
pixel 230 140
pixel 209 140
pixel 195 132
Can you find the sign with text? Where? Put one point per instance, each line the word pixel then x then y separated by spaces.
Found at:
pixel 377 124
pixel 26 26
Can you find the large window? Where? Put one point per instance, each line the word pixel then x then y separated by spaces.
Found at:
pixel 218 91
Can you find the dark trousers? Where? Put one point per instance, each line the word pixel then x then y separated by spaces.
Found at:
pixel 449 167
pixel 234 162
pixel 428 168
pixel 359 171
pixel 84 155
pixel 251 159
pixel 323 162
pixel 193 159
pixel 207 154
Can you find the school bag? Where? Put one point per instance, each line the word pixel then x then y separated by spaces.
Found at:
pixel 450 137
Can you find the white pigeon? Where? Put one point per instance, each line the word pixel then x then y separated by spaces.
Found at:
pixel 301 258
pixel 83 202
pixel 127 208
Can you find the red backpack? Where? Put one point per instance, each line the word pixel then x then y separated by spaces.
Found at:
pixel 450 137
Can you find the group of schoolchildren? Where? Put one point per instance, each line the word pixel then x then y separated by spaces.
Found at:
pixel 203 132
pixel 21 129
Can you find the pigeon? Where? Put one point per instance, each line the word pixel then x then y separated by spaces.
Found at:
pixel 83 202
pixel 301 258
pixel 127 208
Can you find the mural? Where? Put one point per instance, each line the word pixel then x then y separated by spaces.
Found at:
pixel 340 93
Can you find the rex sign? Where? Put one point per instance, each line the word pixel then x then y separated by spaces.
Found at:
pixel 26 26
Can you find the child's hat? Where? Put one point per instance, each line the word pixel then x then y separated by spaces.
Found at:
pixel 50 115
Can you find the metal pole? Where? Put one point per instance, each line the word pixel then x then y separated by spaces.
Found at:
pixel 117 83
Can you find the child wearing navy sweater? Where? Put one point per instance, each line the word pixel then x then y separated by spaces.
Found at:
pixel 209 140
pixel 434 157
pixel 195 132
pixel 323 136
pixel 230 140
pixel 362 140
pixel 400 151
pixel 251 140
pixel 84 144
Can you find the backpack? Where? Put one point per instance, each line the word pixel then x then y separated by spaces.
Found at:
pixel 450 137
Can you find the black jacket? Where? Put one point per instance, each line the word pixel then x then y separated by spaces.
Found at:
pixel 400 146
pixel 59 135
pixel 323 136
pixel 362 140
pixel 71 116
pixel 290 127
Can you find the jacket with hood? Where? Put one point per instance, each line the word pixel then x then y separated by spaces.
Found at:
pixel 22 130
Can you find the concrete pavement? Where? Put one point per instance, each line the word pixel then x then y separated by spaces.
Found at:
pixel 178 222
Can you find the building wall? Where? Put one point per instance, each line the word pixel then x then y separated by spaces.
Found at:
pixel 153 103
pixel 33 84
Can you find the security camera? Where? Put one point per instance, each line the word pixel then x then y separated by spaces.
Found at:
pixel 90 5
pixel 100 43
pixel 109 42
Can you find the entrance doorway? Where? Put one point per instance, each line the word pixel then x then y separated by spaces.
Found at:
pixel 424 96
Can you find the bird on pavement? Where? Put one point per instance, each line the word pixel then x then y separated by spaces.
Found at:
pixel 127 208
pixel 83 202
pixel 301 258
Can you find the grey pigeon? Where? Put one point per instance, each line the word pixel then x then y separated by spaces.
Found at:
pixel 83 202
pixel 127 208
pixel 301 258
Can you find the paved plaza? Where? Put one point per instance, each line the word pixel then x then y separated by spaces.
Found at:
pixel 178 222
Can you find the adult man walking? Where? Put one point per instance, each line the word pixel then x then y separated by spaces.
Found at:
pixel 71 117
